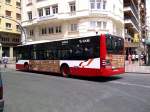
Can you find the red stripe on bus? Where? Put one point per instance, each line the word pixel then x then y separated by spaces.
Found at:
pixel 20 66
pixel 88 63
pixel 90 72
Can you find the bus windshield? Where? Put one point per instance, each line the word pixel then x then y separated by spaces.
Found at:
pixel 114 44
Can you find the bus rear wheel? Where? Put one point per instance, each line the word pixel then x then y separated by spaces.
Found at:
pixel 65 71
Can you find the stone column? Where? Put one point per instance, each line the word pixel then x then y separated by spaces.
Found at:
pixel 11 53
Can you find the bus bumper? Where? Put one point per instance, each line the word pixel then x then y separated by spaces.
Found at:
pixel 104 72
pixel 110 72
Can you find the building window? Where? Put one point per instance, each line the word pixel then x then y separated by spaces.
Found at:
pixel 104 4
pixel 72 7
pixel 55 9
pixel 74 27
pixel 8 25
pixel 104 25
pixel 18 16
pixel 17 28
pixel 8 13
pixel 44 31
pixel 98 4
pixel 51 30
pixel 18 4
pixel 15 40
pixel 30 15
pixel 92 24
pixel 47 11
pixel 5 39
pixel 92 4
pixel 98 24
pixel 8 1
pixel 40 11
pixel 58 29
pixel 29 2
pixel 31 32
pixel 114 8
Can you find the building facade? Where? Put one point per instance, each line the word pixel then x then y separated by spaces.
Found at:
pixel 148 22
pixel 10 35
pixel 63 19
pixel 148 32
pixel 135 21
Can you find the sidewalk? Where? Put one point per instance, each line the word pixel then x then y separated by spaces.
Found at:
pixel 136 68
pixel 11 66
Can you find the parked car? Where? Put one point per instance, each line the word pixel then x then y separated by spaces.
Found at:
pixel 1 95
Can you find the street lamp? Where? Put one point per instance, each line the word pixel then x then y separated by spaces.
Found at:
pixel 22 29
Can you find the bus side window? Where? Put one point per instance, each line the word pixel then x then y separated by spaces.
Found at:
pixel 49 55
pixel 55 54
pixel 91 52
pixel 78 52
pixel 64 54
pixel 20 56
pixel 109 44
pixel 86 53
pixel 70 54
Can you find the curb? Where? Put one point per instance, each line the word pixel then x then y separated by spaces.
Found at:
pixel 138 72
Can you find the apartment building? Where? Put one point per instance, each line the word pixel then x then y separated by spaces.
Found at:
pixel 135 20
pixel 10 35
pixel 63 19
pixel 148 24
pixel 148 31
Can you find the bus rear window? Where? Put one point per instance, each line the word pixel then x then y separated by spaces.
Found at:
pixel 114 44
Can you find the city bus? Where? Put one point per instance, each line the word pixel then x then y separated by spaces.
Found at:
pixel 100 55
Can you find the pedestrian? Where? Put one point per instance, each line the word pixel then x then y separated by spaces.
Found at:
pixel 5 61
pixel 141 59
pixel 137 57
pixel 144 58
pixel 133 58
pixel 129 58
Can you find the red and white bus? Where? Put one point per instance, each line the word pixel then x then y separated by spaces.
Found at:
pixel 100 55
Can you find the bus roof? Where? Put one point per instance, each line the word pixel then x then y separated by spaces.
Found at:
pixel 41 41
pixel 45 41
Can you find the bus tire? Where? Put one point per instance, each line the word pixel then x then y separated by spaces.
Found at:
pixel 26 67
pixel 65 71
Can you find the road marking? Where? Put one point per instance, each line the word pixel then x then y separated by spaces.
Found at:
pixel 130 84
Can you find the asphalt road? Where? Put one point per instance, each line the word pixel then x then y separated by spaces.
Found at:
pixel 33 92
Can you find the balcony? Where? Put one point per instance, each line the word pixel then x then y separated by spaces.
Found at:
pixel 132 10
pixel 29 22
pixel 131 22
pixel 49 17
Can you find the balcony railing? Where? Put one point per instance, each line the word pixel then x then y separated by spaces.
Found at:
pixel 54 16
pixel 133 21
pixel 135 10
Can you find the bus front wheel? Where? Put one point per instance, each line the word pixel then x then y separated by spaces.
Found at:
pixel 65 71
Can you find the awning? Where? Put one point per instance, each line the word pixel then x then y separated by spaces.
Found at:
pixel 129 44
